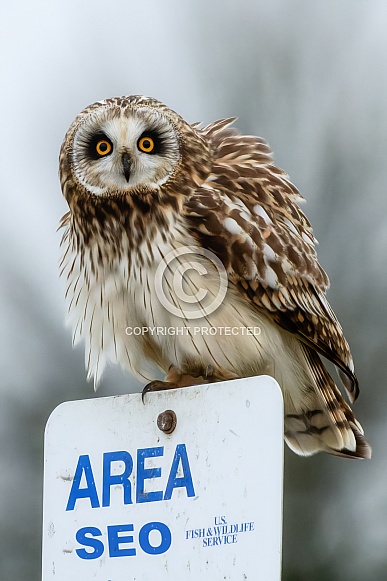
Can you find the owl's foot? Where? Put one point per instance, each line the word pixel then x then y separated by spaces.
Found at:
pixel 157 386
pixel 174 379
pixel 177 378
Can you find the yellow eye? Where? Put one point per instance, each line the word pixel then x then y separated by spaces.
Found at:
pixel 146 144
pixel 103 147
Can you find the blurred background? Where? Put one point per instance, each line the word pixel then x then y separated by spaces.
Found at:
pixel 311 78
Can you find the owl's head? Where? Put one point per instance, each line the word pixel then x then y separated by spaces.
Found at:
pixel 130 144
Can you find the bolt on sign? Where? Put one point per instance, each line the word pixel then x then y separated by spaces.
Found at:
pixel 187 484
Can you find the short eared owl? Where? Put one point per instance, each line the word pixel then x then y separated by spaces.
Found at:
pixel 146 189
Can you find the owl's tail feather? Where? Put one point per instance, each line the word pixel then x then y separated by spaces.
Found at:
pixel 323 421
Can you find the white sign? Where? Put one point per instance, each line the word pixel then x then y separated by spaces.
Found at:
pixel 123 500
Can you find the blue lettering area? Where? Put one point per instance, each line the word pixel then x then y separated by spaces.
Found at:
pixel 129 539
pixel 147 473
pixel 180 482
pixel 83 467
pixel 110 480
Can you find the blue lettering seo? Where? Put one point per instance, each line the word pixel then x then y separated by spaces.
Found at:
pixel 121 538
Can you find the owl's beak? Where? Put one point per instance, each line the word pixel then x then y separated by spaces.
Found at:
pixel 126 165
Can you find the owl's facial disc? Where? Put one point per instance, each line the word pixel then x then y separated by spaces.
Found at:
pixel 116 150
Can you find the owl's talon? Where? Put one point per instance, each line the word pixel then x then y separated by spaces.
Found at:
pixel 144 391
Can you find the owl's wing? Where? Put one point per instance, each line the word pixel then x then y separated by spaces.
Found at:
pixel 247 213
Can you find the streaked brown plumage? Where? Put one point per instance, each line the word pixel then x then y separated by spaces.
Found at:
pixel 212 189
